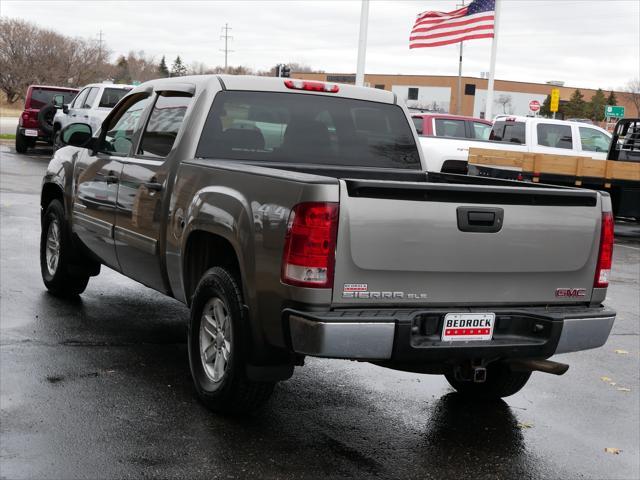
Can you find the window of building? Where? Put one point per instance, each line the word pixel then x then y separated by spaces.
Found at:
pixel 380 86
pixel 413 94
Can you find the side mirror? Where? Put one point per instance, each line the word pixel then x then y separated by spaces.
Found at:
pixel 58 101
pixel 65 108
pixel 77 135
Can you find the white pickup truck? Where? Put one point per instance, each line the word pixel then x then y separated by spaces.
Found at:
pixel 523 134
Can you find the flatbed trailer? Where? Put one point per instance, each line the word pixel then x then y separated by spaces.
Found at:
pixel 619 174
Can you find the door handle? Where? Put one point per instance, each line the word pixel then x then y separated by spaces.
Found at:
pixel 111 179
pixel 480 219
pixel 153 186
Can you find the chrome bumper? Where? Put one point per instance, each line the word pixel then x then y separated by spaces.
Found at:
pixel 387 334
pixel 359 340
pixel 584 333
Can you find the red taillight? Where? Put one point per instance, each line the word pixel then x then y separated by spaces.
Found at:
pixel 312 86
pixel 29 119
pixel 605 253
pixel 310 245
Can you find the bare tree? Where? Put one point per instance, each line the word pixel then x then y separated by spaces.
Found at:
pixel 504 100
pixel 632 92
pixel 33 55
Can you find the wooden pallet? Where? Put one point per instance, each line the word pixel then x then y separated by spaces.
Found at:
pixel 568 165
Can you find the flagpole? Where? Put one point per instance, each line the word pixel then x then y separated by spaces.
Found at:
pixel 362 42
pixel 488 113
pixel 459 102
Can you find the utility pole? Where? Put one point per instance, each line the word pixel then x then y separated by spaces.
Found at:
pixel 226 50
pixel 459 102
pixel 100 47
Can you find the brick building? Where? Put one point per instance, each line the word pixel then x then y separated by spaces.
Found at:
pixel 439 93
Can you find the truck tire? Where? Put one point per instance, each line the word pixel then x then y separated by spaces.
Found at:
pixel 55 253
pixel 22 143
pixel 217 344
pixel 501 382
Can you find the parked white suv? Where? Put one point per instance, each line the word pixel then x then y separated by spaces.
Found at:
pixel 91 105
pixel 521 134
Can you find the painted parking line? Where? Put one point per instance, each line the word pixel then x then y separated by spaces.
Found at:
pixel 626 246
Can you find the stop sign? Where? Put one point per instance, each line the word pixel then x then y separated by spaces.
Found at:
pixel 534 105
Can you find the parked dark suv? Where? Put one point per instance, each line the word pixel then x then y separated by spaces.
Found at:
pixel 35 123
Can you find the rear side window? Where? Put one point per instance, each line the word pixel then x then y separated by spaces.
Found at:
pixel 305 128
pixel 450 128
pixel 111 96
pixel 41 97
pixel 508 132
pixel 481 130
pixel 593 140
pixel 163 126
pixel 555 136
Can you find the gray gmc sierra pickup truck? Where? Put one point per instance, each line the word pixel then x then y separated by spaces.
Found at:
pixel 295 218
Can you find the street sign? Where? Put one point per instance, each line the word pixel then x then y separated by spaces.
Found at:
pixel 555 99
pixel 613 111
pixel 534 105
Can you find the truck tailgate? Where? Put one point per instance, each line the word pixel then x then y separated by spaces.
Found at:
pixel 440 244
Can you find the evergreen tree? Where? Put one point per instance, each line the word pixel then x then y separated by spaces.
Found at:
pixel 122 74
pixel 178 69
pixel 576 106
pixel 163 71
pixel 595 108
pixel 612 100
pixel 545 109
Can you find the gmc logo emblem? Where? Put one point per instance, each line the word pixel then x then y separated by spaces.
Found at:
pixel 571 292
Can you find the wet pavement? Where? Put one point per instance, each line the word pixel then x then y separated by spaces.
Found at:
pixel 100 388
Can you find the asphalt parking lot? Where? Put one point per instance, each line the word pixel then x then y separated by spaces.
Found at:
pixel 100 388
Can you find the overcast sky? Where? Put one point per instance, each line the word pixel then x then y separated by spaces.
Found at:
pixel 582 42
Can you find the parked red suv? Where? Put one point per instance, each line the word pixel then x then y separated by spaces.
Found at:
pixel 35 122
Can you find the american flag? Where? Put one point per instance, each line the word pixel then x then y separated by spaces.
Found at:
pixel 433 29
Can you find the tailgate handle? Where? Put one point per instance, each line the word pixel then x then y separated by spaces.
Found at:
pixel 480 219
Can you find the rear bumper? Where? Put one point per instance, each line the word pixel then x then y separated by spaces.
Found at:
pixel 26 132
pixel 413 336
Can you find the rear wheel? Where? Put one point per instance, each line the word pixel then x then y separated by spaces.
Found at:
pixel 217 347
pixel 500 382
pixel 55 255
pixel 22 142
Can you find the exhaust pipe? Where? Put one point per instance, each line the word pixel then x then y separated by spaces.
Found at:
pixel 546 366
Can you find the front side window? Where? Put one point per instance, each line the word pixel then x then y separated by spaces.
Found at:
pixel 481 130
pixel 163 126
pixel 79 100
pixel 450 128
pixel 91 96
pixel 508 132
pixel 312 129
pixel 555 136
pixel 122 127
pixel 111 96
pixel 593 140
